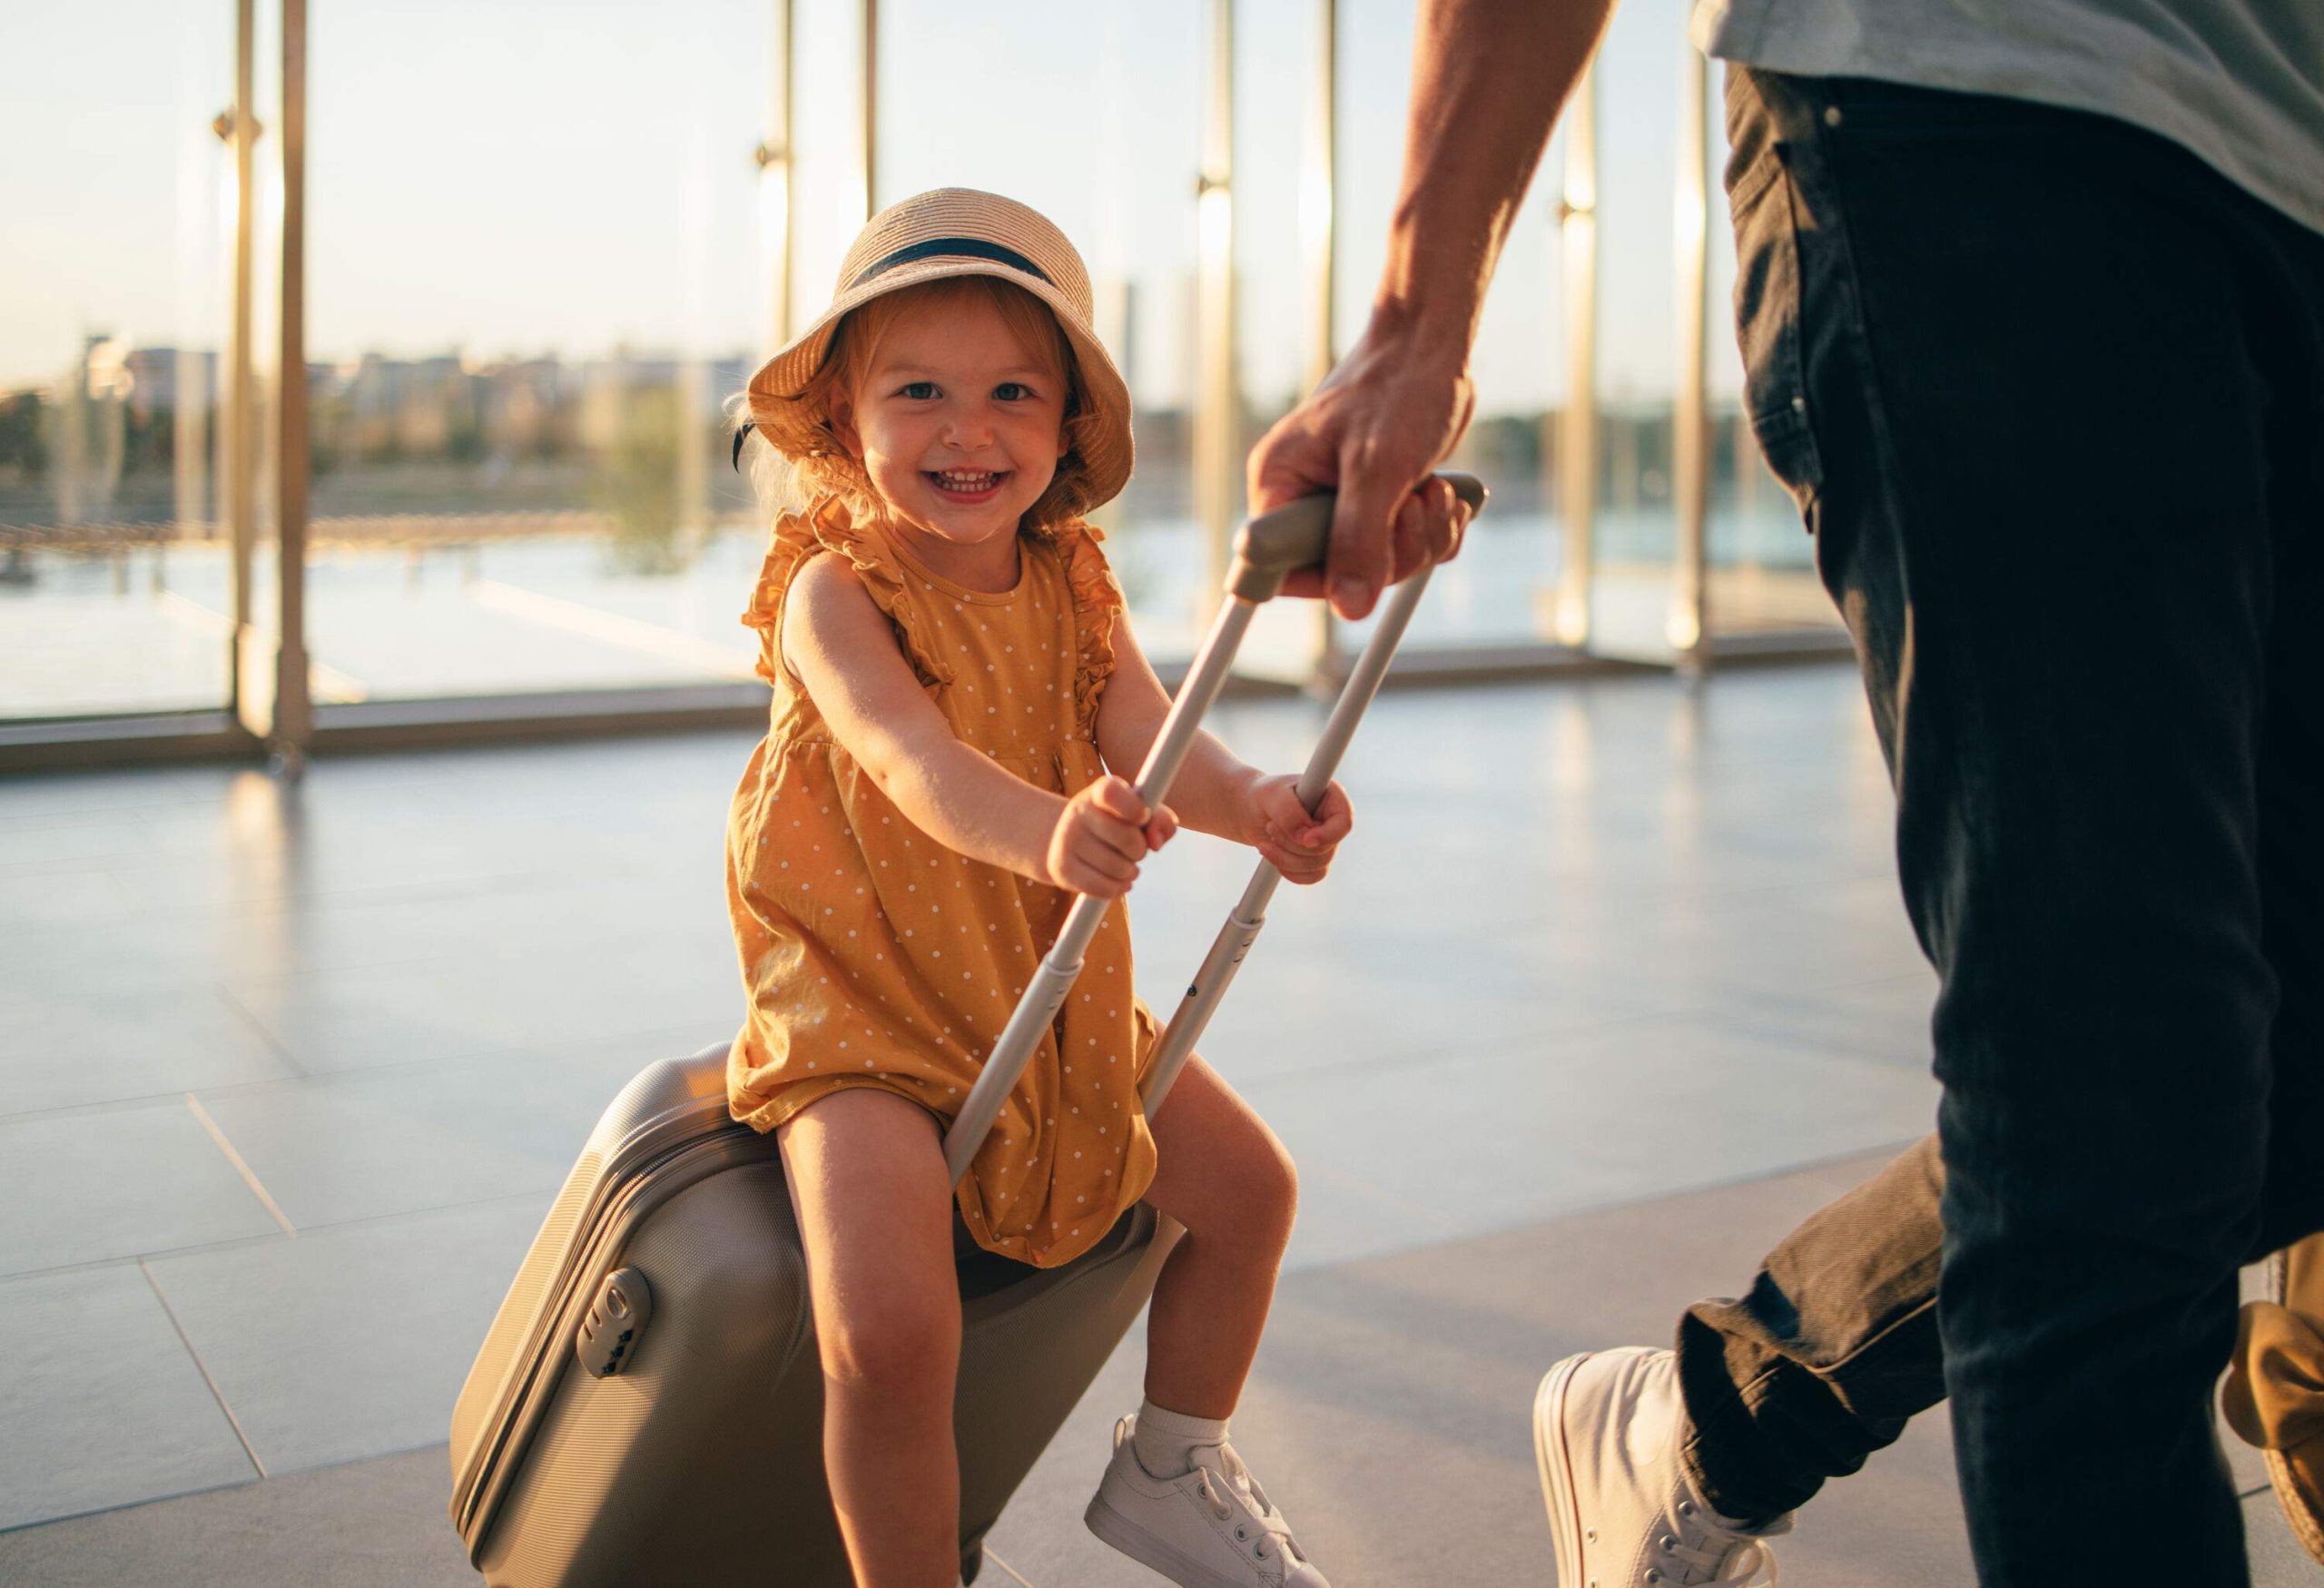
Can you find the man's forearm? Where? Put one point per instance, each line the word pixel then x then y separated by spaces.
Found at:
pixel 1489 79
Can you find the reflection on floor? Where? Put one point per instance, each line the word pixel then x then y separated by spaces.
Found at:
pixel 290 1074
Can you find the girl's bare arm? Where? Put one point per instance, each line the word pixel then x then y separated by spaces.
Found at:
pixel 1216 792
pixel 1213 791
pixel 841 648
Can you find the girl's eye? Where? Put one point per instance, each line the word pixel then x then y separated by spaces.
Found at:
pixel 918 391
pixel 1012 391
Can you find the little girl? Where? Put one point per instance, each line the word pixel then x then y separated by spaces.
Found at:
pixel 954 678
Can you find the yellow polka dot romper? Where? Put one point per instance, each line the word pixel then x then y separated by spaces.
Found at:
pixel 875 956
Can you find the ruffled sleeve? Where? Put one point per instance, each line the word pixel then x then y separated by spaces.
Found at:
pixel 827 527
pixel 793 539
pixel 1097 603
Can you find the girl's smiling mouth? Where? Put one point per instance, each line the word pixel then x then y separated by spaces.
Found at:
pixel 965 485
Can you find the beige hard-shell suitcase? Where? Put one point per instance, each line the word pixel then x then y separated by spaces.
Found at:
pixel 646 1411
pixel 648 1408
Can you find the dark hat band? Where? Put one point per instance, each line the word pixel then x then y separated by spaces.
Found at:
pixel 951 248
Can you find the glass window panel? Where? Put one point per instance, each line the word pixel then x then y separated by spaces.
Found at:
pixel 115 592
pixel 1498 590
pixel 1274 52
pixel 827 133
pixel 1279 210
pixel 519 466
pixel 1639 73
pixel 1092 114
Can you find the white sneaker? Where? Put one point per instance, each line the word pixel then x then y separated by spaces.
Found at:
pixel 1213 1527
pixel 1621 1509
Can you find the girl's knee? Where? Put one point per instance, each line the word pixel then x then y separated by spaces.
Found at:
pixel 894 1348
pixel 1269 1199
pixel 1282 1195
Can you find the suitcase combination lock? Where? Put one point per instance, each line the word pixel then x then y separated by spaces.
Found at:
pixel 608 1334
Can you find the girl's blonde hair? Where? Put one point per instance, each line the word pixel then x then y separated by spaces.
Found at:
pixel 794 481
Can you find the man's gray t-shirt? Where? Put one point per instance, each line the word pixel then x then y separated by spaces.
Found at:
pixel 2241 83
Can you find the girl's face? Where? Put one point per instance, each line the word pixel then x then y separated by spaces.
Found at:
pixel 959 428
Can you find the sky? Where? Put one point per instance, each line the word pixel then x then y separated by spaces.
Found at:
pixel 513 177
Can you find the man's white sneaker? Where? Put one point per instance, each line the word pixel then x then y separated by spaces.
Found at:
pixel 1213 1527
pixel 1623 1511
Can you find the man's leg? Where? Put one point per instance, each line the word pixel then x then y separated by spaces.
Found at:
pixel 2041 500
pixel 2275 1396
pixel 1832 1349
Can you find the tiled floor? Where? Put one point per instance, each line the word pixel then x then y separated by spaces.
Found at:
pixel 288 1072
pixel 1388 1412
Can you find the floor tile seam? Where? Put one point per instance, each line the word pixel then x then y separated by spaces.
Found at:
pixel 351 1073
pixel 76 817
pixel 170 1095
pixel 156 1254
pixel 242 1166
pixel 203 1367
pixel 100 777
pixel 314 1076
pixel 143 1100
pixel 349 905
pixel 76 865
pixel 111 982
pixel 359 894
pixel 540 1195
pixel 336 1462
pixel 1374 1064
pixel 1887 1149
pixel 1682 1009
pixel 260 907
pixel 371 961
pixel 118 886
pixel 9 1529
pixel 1015 1575
pixel 537 1194
pixel 272 1477
pixel 249 1017
pixel 1795 881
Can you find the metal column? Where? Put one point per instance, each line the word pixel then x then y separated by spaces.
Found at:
pixel 1319 181
pixel 1217 404
pixel 773 157
pixel 1578 425
pixel 1688 626
pixel 238 424
pixel 871 108
pixel 291 722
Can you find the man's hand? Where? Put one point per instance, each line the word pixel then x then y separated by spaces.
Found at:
pixel 1384 418
pixel 1489 77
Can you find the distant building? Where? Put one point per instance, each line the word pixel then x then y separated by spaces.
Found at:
pixel 170 380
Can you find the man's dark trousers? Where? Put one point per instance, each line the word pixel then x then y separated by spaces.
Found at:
pixel 2051 394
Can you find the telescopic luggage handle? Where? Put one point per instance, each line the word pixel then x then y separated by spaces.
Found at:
pixel 1268 550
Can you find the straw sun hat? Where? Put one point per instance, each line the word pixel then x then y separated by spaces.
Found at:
pixel 957 232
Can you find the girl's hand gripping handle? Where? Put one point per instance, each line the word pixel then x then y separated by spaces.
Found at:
pixel 1105 830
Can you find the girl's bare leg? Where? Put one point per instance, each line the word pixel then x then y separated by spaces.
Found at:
pixel 1226 1178
pixel 867 1176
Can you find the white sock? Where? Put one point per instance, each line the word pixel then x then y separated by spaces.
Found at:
pixel 1165 1440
